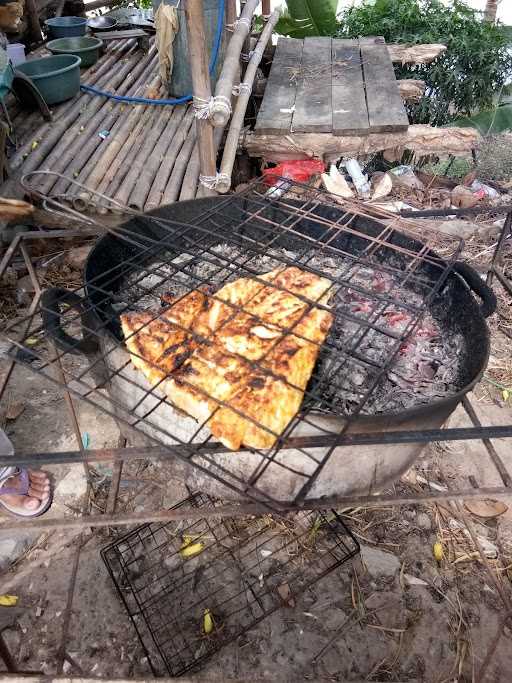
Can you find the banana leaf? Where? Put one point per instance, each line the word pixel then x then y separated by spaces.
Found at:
pixel 308 18
pixel 488 122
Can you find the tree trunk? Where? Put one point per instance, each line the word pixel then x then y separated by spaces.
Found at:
pixel 491 9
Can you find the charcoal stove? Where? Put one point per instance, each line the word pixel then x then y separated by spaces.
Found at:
pixel 399 310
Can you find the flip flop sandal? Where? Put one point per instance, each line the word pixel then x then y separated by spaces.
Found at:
pixel 20 490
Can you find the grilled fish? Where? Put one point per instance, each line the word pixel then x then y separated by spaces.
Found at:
pixel 244 365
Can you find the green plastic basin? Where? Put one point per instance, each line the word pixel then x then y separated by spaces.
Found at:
pixel 57 77
pixel 88 49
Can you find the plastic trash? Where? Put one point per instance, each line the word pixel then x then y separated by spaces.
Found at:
pixel 16 53
pixel 297 170
pixel 360 180
pixel 403 176
pixel 482 190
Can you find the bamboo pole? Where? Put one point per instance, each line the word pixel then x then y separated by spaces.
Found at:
pixel 133 143
pixel 142 159
pixel 191 179
pixel 79 140
pixel 237 120
pixel 265 8
pixel 50 133
pixel 183 120
pixel 102 158
pixel 221 107
pixel 92 140
pixel 172 190
pixel 87 125
pixel 194 14
pixel 148 175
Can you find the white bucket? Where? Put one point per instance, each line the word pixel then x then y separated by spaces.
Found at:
pixel 16 53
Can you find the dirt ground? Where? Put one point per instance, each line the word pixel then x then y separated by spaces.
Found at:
pixel 396 615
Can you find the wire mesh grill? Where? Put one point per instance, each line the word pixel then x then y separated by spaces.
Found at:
pixel 247 569
pixel 393 281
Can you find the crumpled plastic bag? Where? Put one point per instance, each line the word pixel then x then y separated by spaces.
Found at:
pixel 166 25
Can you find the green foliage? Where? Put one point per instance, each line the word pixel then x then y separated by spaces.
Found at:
pixel 466 78
pixel 488 121
pixel 308 18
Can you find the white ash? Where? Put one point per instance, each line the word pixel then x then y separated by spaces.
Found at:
pixel 425 368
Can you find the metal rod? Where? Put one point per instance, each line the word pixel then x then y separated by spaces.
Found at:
pixel 352 440
pixel 505 231
pixel 472 211
pixel 497 461
pixel 243 509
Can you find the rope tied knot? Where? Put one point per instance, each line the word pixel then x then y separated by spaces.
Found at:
pixel 212 181
pixel 242 89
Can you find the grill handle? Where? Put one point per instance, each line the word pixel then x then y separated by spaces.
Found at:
pixel 52 300
pixel 478 286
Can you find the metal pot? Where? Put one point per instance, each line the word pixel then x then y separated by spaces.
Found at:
pixel 348 471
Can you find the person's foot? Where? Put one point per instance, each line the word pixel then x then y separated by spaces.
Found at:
pixel 38 491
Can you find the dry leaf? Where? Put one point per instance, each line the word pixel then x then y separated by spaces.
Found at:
pixel 463 197
pixel 14 410
pixel 286 595
pixel 486 508
pixel 335 183
pixel 382 187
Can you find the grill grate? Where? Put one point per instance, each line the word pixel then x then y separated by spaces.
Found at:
pixel 249 568
pixel 229 241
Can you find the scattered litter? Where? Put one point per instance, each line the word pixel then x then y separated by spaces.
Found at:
pixel 486 508
pixel 189 548
pixel 463 197
pixel 208 624
pixel 286 595
pixel 382 187
pixel 438 551
pixel 414 580
pixel 8 600
pixel 104 134
pixel 484 190
pixel 86 440
pixel 403 176
pixel 431 484
pixel 489 549
pixel 39 611
pixel 265 553
pixel 360 180
pixel 14 410
pixel 335 183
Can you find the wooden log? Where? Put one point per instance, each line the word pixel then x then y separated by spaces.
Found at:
pixel 415 54
pixel 184 120
pixel 237 120
pixel 420 139
pixel 230 12
pixel 411 90
pixel 265 8
pixel 105 119
pixel 87 125
pixel 194 14
pixel 220 111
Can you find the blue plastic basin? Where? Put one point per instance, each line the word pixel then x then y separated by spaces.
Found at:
pixel 66 27
pixel 57 77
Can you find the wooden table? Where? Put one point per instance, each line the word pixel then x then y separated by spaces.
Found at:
pixel 331 85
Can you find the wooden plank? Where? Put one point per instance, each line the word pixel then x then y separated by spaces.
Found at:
pixel 313 105
pixel 349 110
pixel 386 112
pixel 275 115
pixel 120 35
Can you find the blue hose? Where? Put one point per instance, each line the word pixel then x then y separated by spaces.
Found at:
pixel 179 100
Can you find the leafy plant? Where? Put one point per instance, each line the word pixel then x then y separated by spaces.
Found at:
pixel 466 78
pixel 304 18
pixel 488 121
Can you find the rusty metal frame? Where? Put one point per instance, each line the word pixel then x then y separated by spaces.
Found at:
pixel 121 454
